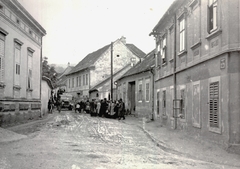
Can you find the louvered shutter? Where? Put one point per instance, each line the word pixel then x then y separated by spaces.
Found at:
pixel 2 60
pixel 214 104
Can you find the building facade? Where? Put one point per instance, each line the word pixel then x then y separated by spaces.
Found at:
pixel 197 69
pixel 102 89
pixel 20 63
pixel 136 88
pixel 96 68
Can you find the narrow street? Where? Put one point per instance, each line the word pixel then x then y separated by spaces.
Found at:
pixel 79 141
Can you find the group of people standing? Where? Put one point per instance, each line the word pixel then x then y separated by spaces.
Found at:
pixel 54 100
pixel 102 108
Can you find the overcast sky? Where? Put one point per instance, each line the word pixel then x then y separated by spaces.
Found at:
pixel 76 28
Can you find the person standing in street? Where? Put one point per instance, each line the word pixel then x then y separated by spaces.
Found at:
pixel 121 110
pixel 98 107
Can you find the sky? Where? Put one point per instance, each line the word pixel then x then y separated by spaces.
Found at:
pixel 76 28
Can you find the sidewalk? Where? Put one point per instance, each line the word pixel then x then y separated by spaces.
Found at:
pixel 181 143
pixel 6 135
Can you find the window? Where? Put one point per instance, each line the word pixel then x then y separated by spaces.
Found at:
pixel 2 56
pixel 140 92
pixel 124 92
pixel 77 82
pixel 86 79
pixel 212 15
pixel 182 91
pixel 69 83
pixel 17 64
pixel 83 80
pixel 164 101
pixel 196 116
pixel 30 67
pixel 163 50
pixel 214 104
pixel 195 20
pixel 182 35
pixel 73 82
pixel 80 80
pixel 147 90
pixel 158 102
pixel 158 53
pixel 171 100
pixel 171 44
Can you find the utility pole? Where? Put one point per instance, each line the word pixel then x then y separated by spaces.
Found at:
pixel 111 71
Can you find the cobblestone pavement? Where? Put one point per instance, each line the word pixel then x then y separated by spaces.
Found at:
pixel 78 141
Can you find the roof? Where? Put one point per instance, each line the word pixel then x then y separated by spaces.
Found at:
pixel 136 50
pixel 109 78
pixel 143 66
pixel 89 60
pixel 168 15
pixel 66 71
pixel 20 10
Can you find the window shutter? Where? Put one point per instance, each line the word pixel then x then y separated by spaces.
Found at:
pixel 214 104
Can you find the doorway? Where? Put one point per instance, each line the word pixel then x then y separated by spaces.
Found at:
pixel 131 96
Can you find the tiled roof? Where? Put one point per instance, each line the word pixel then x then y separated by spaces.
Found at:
pixel 136 50
pixel 142 66
pixel 89 60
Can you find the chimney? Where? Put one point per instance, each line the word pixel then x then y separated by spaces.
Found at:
pixel 68 64
pixel 123 39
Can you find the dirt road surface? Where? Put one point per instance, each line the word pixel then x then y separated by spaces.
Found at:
pixel 78 141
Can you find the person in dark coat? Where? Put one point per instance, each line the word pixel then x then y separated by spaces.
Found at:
pixel 121 110
pixel 103 109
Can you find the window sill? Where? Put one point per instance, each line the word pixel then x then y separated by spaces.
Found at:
pixel 180 54
pixel 2 85
pixel 214 34
pixel 196 125
pixel 29 90
pixel 158 67
pixel 16 87
pixel 164 64
pixel 171 60
pixel 165 117
pixel 215 130
pixel 196 45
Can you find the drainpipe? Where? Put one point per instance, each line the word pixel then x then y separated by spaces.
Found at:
pixel 174 71
pixel 153 73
